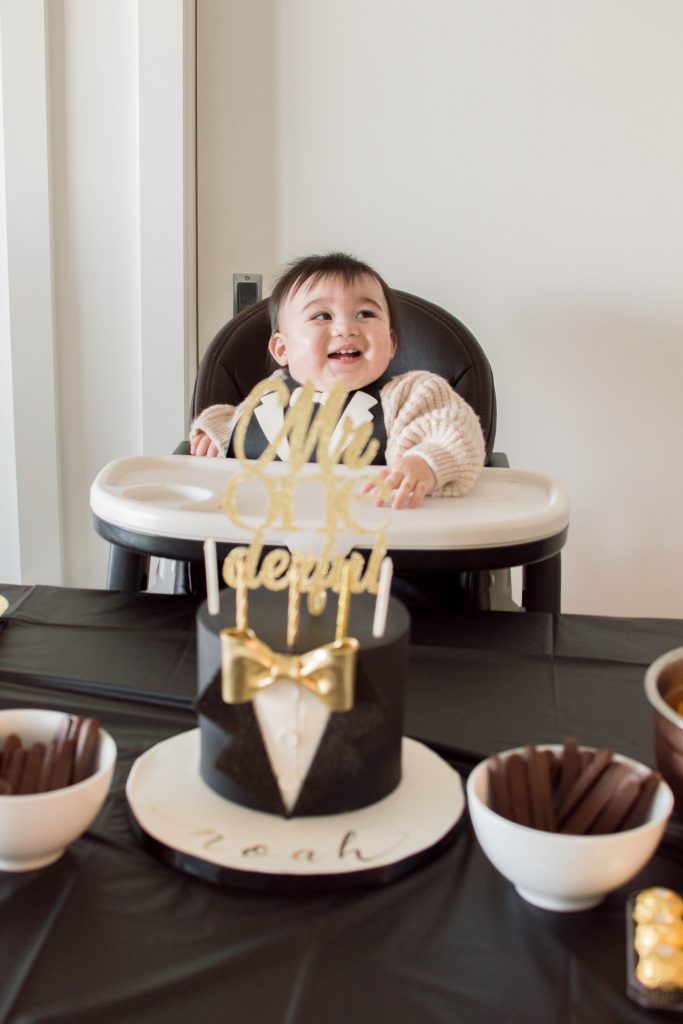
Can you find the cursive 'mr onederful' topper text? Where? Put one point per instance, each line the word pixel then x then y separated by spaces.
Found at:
pixel 307 427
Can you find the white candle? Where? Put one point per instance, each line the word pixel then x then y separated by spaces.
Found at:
pixel 379 623
pixel 212 599
pixel 344 603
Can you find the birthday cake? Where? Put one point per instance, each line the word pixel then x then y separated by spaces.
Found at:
pixel 283 745
pixel 299 774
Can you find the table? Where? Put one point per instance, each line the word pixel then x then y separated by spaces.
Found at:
pixel 166 506
pixel 110 934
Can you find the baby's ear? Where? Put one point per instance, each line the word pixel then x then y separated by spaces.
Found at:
pixel 394 343
pixel 277 347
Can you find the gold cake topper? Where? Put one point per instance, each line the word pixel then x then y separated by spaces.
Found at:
pixel 248 665
pixel 307 427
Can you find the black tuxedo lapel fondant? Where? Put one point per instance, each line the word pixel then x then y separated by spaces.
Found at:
pixel 266 423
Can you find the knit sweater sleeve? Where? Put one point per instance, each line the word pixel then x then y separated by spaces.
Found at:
pixel 425 417
pixel 218 422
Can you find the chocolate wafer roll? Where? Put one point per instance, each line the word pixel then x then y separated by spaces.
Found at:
pixel 62 764
pixel 31 770
pixel 500 800
pixel 619 804
pixel 48 761
pixel 571 765
pixel 15 767
pixel 594 799
pixel 75 730
pixel 554 767
pixel 11 744
pixel 518 789
pixel 540 791
pixel 638 813
pixel 87 740
pixel 589 775
pixel 66 730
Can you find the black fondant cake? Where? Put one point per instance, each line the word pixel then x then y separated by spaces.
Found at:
pixel 283 753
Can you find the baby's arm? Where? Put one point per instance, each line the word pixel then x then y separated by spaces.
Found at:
pixel 210 433
pixel 437 431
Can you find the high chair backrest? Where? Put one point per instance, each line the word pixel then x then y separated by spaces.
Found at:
pixel 430 338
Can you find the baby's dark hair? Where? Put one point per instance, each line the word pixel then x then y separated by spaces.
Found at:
pixel 312 269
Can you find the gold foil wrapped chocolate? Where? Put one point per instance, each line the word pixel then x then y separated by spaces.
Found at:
pixel 657 949
pixel 648 936
pixel 661 969
pixel 658 906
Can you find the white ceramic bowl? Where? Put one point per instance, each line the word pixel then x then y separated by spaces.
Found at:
pixel 36 829
pixel 564 872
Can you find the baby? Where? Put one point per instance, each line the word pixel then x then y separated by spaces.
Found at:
pixel 334 320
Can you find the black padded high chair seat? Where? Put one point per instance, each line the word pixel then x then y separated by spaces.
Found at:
pixel 429 339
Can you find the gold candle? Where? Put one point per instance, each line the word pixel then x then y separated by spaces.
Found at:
pixel 344 602
pixel 241 599
pixel 293 605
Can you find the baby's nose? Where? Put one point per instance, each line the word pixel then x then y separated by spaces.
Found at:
pixel 344 326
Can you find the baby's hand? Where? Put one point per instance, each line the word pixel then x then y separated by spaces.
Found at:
pixel 410 477
pixel 202 444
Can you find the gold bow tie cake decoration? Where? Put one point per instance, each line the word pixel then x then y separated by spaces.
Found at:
pixel 249 666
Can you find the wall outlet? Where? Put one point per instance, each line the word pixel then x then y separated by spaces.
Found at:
pixel 246 290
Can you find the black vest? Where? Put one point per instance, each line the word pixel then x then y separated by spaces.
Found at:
pixel 256 442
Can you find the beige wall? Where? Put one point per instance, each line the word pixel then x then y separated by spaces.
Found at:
pixel 520 164
pixel 236 152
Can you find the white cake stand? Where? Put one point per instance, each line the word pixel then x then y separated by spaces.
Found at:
pixel 186 824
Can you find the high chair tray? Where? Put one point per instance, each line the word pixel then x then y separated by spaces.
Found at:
pixel 179 496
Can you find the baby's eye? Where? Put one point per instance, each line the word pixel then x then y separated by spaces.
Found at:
pixel 363 313
pixel 322 316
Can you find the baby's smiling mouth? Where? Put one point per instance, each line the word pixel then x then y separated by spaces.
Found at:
pixel 345 354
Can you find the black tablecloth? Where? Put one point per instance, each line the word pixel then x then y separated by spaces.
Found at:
pixel 109 933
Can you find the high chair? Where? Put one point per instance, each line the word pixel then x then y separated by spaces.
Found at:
pixel 430 338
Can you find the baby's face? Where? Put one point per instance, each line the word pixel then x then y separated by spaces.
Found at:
pixel 331 332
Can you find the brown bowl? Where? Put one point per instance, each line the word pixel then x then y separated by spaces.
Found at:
pixel 664 690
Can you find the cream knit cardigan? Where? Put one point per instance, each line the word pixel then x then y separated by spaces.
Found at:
pixel 422 415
